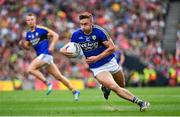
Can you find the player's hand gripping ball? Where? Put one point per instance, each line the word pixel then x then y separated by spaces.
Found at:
pixel 73 48
pixel 24 44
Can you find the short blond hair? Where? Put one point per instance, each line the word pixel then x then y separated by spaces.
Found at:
pixel 32 14
pixel 86 15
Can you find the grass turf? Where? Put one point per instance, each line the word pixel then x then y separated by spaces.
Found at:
pixel 164 101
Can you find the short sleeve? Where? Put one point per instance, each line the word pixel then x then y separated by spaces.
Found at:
pixel 27 37
pixel 74 37
pixel 44 29
pixel 103 35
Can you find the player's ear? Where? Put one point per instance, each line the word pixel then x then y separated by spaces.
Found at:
pixel 92 19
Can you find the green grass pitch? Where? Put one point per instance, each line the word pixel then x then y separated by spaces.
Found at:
pixel 164 102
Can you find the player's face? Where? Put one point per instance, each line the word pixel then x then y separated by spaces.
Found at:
pixel 31 21
pixel 86 25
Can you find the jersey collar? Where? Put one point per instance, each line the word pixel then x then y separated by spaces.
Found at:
pixel 89 32
pixel 32 30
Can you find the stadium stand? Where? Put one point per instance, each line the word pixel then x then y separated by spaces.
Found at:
pixel 137 27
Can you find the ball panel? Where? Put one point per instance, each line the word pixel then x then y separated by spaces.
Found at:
pixel 73 48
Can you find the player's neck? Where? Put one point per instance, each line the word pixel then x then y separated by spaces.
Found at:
pixel 32 28
pixel 88 32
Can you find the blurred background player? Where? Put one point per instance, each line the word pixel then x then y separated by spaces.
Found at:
pixel 119 55
pixel 98 49
pixel 44 40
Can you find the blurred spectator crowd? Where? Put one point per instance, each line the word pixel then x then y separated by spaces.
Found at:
pixel 136 26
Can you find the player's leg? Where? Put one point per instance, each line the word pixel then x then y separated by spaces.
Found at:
pixel 33 69
pixel 106 79
pixel 119 78
pixel 53 70
pixel 106 91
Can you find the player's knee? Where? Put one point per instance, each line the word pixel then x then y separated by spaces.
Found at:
pixel 29 71
pixel 58 76
pixel 122 84
pixel 113 87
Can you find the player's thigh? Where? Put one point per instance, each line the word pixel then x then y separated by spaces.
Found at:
pixel 119 78
pixel 106 79
pixel 36 64
pixel 53 70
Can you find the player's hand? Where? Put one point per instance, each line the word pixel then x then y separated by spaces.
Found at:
pixel 51 49
pixel 91 59
pixel 24 44
pixel 64 52
pixel 20 42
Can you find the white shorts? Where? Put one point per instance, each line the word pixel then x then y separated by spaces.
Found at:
pixel 112 66
pixel 46 58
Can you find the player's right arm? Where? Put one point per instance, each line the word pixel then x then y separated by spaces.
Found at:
pixel 63 50
pixel 24 44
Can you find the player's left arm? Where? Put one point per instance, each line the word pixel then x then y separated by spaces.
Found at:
pixel 110 49
pixel 24 44
pixel 53 36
